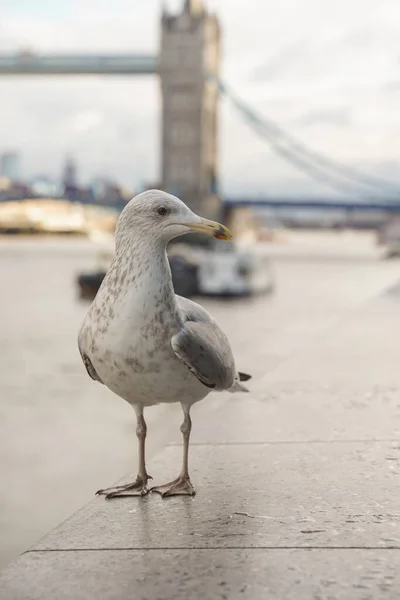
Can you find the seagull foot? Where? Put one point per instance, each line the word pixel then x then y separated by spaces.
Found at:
pixel 182 486
pixel 138 488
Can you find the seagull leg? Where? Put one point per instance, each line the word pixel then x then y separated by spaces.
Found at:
pixel 139 486
pixel 181 486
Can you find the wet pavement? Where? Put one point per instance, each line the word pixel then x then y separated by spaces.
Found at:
pixel 297 481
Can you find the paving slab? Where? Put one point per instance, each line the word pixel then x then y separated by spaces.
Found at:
pixel 301 411
pixel 255 495
pixel 362 348
pixel 217 574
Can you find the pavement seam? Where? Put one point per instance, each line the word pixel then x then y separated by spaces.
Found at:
pixel 209 548
pixel 291 442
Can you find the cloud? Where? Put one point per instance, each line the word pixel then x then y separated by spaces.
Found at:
pixel 86 26
pixel 339 117
pixel 387 169
pixel 86 121
pixel 277 66
pixel 391 87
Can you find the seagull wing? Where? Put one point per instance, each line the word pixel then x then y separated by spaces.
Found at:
pixel 204 349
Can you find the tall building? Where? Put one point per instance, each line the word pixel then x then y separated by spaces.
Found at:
pixel 69 177
pixel 190 49
pixel 10 165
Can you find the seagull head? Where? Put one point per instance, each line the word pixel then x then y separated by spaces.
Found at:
pixel 157 214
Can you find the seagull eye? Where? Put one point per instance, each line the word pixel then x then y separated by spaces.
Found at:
pixel 162 211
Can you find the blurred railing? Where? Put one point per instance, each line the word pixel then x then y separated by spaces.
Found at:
pixel 75 64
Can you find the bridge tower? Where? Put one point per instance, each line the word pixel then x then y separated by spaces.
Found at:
pixel 190 49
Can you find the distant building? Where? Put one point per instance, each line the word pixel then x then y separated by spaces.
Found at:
pixel 190 49
pixel 109 193
pixel 10 166
pixel 69 178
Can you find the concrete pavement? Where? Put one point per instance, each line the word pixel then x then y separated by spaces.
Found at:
pixel 298 481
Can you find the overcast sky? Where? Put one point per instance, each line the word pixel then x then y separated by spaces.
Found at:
pixel 328 71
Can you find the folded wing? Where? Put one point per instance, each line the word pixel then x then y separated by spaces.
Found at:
pixel 204 348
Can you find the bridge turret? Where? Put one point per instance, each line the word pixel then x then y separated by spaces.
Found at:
pixel 190 49
pixel 194 7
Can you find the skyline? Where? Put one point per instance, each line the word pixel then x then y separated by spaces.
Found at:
pixel 331 80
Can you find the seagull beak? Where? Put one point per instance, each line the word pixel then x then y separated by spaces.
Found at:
pixel 216 230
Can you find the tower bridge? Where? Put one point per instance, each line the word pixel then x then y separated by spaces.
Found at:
pixel 188 65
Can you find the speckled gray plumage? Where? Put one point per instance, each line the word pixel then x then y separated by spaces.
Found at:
pixel 141 340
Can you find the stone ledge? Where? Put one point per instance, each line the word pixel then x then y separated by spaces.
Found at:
pixel 218 574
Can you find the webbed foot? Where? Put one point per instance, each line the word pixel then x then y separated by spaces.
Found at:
pixel 138 488
pixel 181 486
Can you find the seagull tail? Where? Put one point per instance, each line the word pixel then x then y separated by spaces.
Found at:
pixel 238 386
pixel 244 376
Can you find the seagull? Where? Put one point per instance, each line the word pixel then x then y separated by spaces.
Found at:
pixel 147 344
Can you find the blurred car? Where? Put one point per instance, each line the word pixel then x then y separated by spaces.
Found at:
pixel 235 271
pixel 216 269
pixel 389 237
